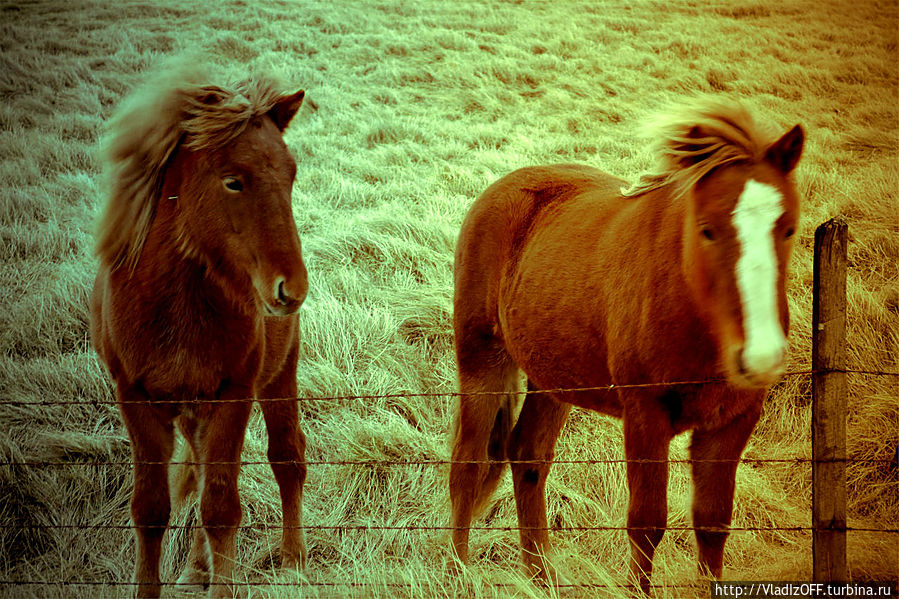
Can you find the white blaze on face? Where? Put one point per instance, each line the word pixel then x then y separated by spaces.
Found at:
pixel 754 217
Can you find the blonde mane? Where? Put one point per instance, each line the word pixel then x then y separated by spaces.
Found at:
pixel 697 138
pixel 143 134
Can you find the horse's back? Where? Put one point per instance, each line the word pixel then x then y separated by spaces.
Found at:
pixel 501 220
pixel 529 190
pixel 508 208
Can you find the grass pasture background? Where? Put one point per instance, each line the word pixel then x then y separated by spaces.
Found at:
pixel 413 109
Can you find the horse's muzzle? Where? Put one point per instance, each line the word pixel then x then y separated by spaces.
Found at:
pixel 761 369
pixel 286 298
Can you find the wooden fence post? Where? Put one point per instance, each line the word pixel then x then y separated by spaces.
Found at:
pixel 829 403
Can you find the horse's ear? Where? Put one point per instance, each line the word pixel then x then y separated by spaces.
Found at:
pixel 785 152
pixel 285 108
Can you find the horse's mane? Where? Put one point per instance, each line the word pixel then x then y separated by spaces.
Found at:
pixel 697 138
pixel 177 106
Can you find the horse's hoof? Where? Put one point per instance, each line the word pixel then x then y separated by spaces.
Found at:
pixel 559 580
pixel 293 559
pixel 293 562
pixel 192 580
pixel 456 567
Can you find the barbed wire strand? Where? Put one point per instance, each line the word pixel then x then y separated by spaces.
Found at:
pixel 560 390
pixel 262 526
pixel 373 462
pixel 585 585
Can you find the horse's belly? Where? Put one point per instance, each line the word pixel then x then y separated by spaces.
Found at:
pixel 558 352
pixel 573 386
pixel 604 402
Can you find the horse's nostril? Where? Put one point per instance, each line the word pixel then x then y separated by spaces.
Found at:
pixel 280 294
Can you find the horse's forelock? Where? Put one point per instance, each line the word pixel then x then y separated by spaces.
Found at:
pixel 210 125
pixel 692 141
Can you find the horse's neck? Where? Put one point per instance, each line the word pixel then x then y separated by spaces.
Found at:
pixel 666 285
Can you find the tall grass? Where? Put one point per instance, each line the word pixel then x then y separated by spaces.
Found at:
pixel 413 109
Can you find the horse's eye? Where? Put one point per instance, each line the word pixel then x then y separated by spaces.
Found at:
pixel 708 233
pixel 232 184
pixel 789 233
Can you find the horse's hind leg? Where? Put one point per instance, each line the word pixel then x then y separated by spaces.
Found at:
pixel 713 481
pixel 534 439
pixel 219 447
pixel 483 423
pixel 152 440
pixel 286 452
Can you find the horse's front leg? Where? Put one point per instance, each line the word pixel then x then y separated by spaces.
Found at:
pixel 184 480
pixel 714 457
pixel 647 435
pixel 220 446
pixel 286 452
pixel 152 441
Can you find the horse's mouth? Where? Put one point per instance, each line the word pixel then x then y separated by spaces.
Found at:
pixel 756 380
pixel 280 309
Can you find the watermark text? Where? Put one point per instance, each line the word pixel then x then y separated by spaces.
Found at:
pixel 800 590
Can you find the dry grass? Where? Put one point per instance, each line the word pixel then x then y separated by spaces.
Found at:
pixel 419 107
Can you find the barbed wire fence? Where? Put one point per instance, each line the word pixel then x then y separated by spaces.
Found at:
pixel 263 526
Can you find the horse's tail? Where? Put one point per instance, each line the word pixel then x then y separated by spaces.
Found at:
pixel 502 427
pixel 182 475
pixel 505 407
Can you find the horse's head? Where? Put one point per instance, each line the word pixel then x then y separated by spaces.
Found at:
pixel 234 208
pixel 738 238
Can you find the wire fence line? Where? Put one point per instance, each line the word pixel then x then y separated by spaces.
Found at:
pixel 425 462
pixel 410 395
pixel 354 584
pixel 262 526
pixel 58 464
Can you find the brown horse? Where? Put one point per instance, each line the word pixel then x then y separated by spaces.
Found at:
pixel 566 276
pixel 194 309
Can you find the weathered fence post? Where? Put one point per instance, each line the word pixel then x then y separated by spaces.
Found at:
pixel 829 402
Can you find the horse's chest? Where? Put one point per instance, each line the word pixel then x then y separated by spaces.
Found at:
pixel 185 372
pixel 195 356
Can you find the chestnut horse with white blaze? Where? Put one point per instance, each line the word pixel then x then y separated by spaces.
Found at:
pixel 564 275
pixel 194 309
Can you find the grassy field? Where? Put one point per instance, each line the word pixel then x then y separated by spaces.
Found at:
pixel 413 109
